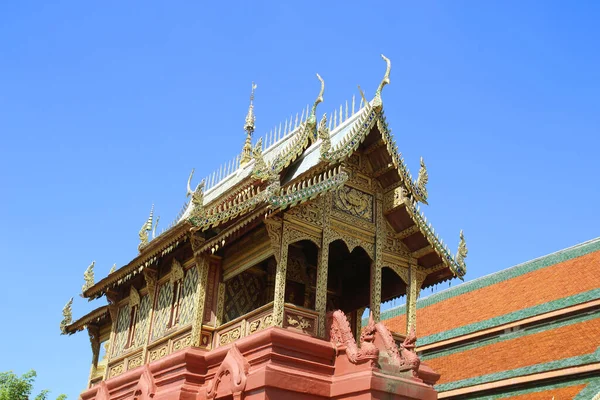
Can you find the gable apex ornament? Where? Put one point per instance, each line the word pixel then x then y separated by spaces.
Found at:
pixel 197 198
pixel 461 253
pixel 422 180
pixel 88 277
pixel 377 102
pixel 67 316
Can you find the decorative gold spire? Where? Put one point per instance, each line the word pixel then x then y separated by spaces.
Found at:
pixel 67 316
pixel 147 227
pixel 462 252
pixel 249 128
pixel 113 269
pixel 422 180
pixel 88 277
pixel 377 102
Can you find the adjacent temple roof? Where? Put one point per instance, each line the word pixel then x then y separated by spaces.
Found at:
pixel 544 310
pixel 294 164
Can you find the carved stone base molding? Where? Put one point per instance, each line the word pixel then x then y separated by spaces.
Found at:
pixel 275 363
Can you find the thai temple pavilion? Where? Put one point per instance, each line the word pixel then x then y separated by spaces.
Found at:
pixel 257 289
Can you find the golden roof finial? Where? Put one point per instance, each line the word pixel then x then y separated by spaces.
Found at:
pixel 88 277
pixel 422 180
pixel 313 111
pixel 147 227
pixel 113 269
pixel 249 128
pixel 67 316
pixel 377 102
pixel 462 252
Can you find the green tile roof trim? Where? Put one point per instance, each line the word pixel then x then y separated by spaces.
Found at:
pixel 542 387
pixel 513 335
pixel 500 276
pixel 591 390
pixel 554 305
pixel 529 370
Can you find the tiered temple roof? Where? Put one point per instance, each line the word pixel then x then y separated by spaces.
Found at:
pixel 317 221
pixel 298 166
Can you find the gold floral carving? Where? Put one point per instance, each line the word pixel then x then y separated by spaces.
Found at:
pixel 134 361
pixel 230 336
pixel 260 324
pixel 116 370
pixel 354 202
pixel 183 343
pixel 294 235
pixel 274 227
pixel 177 273
pixel 309 212
pixel 157 354
pixel 202 266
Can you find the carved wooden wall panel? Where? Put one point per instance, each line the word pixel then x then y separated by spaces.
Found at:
pixel 121 332
pixel 163 310
pixel 142 321
pixel 190 287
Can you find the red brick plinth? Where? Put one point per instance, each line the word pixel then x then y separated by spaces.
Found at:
pixel 273 364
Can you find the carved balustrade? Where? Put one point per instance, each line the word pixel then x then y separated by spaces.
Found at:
pixel 297 318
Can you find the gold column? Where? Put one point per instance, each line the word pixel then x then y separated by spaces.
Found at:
pixel 275 230
pixel 416 279
pixel 220 303
pixel 151 276
pixel 202 266
pixel 94 334
pixel 321 292
pixel 280 278
pixel 323 264
pixel 377 264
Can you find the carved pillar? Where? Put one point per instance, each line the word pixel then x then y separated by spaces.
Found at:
pixel 94 333
pixel 416 278
pixel 202 267
pixel 377 264
pixel 280 279
pixel 150 276
pixel 275 230
pixel 113 310
pixel 220 303
pixel 323 265
pixel 321 292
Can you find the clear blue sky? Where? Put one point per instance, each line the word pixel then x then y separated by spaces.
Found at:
pixel 106 107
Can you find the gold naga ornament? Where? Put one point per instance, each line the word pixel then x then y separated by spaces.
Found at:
pixel 67 316
pixel 462 252
pixel 422 179
pixel 88 277
pixel 197 195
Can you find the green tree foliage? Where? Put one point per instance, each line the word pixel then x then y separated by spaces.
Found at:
pixel 13 387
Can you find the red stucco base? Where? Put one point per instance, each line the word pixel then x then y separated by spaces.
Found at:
pixel 273 364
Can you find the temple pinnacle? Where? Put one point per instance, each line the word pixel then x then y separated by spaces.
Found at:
pixel 249 128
